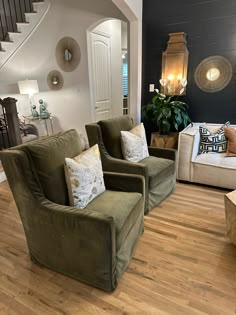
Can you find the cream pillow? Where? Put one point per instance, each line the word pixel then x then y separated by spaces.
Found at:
pixel 134 144
pixel 84 177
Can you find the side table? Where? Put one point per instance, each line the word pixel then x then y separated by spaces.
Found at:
pixel 165 141
pixel 48 123
pixel 230 215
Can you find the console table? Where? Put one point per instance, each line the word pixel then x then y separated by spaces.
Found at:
pixel 48 123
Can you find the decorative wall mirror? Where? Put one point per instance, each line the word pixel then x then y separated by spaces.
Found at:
pixel 213 74
pixel 55 80
pixel 68 54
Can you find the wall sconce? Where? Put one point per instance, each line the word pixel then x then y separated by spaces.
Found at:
pixel 175 65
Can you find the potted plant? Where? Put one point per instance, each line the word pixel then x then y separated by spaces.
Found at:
pixel 167 113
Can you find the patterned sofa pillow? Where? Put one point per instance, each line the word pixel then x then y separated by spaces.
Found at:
pixel 213 141
pixel 84 177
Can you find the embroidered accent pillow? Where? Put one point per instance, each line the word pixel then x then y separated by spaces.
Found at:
pixel 213 141
pixel 230 134
pixel 84 177
pixel 134 144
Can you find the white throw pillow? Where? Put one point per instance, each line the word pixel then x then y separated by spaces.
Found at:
pixel 134 144
pixel 84 177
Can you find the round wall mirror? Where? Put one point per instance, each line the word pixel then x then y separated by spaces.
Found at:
pixel 213 74
pixel 55 80
pixel 68 54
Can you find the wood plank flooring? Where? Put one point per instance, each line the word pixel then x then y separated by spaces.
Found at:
pixel 183 264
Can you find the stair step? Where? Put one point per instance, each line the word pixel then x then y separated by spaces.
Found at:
pixel 29 16
pixel 13 35
pixel 37 5
pixel 21 26
pixel 5 45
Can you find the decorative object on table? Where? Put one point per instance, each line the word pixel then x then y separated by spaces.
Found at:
pixel 55 80
pixel 34 112
pixel 212 141
pixel 213 74
pixel 175 65
pixel 68 54
pixel 230 215
pixel 43 113
pixel 167 113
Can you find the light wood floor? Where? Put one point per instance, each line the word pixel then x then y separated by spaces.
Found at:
pixel 183 264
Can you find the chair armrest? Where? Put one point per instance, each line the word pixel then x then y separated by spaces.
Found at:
pixel 163 153
pixel 124 182
pixel 85 237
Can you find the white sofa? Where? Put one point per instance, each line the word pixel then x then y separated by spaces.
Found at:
pixel 213 169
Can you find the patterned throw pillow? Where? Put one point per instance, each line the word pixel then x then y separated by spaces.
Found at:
pixel 213 141
pixel 134 144
pixel 84 177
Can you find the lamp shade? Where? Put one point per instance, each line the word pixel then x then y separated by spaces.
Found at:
pixel 29 87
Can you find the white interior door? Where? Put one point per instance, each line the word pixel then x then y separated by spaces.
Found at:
pixel 101 67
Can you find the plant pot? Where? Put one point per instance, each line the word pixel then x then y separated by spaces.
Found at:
pixel 165 141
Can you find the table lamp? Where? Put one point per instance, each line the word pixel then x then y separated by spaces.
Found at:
pixel 29 87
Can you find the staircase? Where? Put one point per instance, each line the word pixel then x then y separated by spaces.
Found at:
pixel 18 19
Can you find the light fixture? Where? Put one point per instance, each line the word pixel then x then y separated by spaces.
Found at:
pixel 175 65
pixel 29 87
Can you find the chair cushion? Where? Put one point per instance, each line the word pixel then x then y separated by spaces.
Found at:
pixel 111 129
pixel 47 156
pixel 158 169
pixel 123 207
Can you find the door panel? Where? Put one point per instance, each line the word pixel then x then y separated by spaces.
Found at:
pixel 101 58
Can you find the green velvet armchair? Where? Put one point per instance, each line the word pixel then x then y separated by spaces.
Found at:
pixel 158 170
pixel 94 244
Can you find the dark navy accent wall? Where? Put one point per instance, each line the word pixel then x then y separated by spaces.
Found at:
pixel 211 30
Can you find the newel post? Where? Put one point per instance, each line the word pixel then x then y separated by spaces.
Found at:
pixel 9 104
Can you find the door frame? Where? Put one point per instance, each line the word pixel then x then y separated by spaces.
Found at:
pixel 90 68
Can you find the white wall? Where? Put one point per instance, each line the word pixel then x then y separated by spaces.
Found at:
pixel 132 9
pixel 71 106
pixel 124 37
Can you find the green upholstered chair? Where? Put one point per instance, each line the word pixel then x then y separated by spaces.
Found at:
pixel 159 169
pixel 93 245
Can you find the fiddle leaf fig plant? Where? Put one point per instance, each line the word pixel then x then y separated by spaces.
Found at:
pixel 167 113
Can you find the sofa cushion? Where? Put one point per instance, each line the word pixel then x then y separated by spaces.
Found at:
pixel 47 157
pixel 111 129
pixel 158 169
pixel 125 213
pixel 216 160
